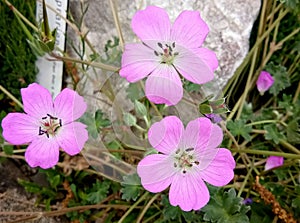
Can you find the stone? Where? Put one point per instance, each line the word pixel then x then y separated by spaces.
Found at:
pixel 230 23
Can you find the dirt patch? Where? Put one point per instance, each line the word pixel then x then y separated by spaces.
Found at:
pixel 15 203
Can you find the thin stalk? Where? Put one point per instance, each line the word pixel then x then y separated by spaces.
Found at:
pixel 117 22
pixel 146 208
pixel 262 122
pixel 267 153
pixel 289 146
pixel 133 206
pixel 79 33
pixel 11 96
pixel 21 16
pixel 296 96
pixel 241 68
pixel 241 189
pixel 151 103
pixel 245 93
pixel 90 63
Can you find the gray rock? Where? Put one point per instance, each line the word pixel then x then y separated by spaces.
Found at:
pixel 230 23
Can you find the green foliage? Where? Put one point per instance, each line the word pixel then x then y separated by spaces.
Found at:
pixel 293 131
pixel 17 62
pixel 281 78
pixel 134 92
pixel 175 214
pixel 239 128
pixel 293 5
pixel 191 87
pixel 129 119
pixel 225 207
pixel 261 213
pixel 98 192
pixel 140 108
pixel 131 187
pixel 112 52
pixel 95 122
pixel 273 133
pixel 86 190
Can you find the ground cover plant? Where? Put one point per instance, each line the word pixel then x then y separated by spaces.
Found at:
pixel 144 159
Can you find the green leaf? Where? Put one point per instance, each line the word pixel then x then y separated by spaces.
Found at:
pixel 8 149
pixel 190 87
pixel 131 187
pixel 129 119
pixel 273 134
pixel 293 131
pixel 89 120
pixel 239 128
pixel 281 78
pixel 100 120
pixel 95 122
pixel 99 192
pixel 261 213
pixel 205 109
pixel 226 207
pixel 140 108
pixel 134 92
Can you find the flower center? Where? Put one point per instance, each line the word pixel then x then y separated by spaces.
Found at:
pixel 166 53
pixel 185 159
pixel 49 125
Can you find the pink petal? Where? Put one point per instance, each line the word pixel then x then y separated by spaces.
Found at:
pixel 164 86
pixel 189 29
pixel 264 81
pixel 166 134
pixel 202 135
pixel 19 128
pixel 219 170
pixel 156 172
pixel 43 152
pixel 72 137
pixel 208 57
pixel 274 161
pixel 153 23
pixel 192 67
pixel 69 105
pixel 37 101
pixel 189 192
pixel 138 61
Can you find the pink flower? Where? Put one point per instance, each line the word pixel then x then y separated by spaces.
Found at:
pixel 47 125
pixel 187 158
pixel 273 161
pixel 264 82
pixel 166 52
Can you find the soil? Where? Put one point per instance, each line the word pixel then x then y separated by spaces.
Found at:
pixel 15 202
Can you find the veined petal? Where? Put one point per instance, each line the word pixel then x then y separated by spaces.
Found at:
pixel 202 135
pixel 189 192
pixel 219 170
pixel 72 137
pixel 164 86
pixel 69 105
pixel 208 56
pixel 19 128
pixel 189 29
pixel 192 67
pixel 273 162
pixel 166 134
pixel 37 101
pixel 152 23
pixel 156 172
pixel 43 152
pixel 138 61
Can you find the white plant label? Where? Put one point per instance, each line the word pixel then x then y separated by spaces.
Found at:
pixel 50 73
